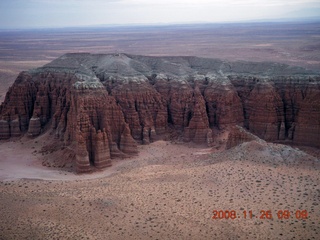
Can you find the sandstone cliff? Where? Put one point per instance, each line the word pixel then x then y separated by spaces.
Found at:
pixel 106 104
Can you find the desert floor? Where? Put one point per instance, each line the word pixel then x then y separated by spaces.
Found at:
pixel 168 191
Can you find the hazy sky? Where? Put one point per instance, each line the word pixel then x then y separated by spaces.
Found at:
pixel 63 13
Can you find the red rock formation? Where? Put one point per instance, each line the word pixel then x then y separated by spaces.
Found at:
pixel 262 107
pixel 282 108
pixel 4 129
pixel 127 144
pixel 264 111
pixel 180 104
pixel 34 127
pixel 101 156
pixel 17 108
pixel 105 104
pixel 198 127
pixel 73 113
pixel 143 107
pixel 238 135
pixel 223 104
pixel 101 123
pixel 82 163
pixel 306 130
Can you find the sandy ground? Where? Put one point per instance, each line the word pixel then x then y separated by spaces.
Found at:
pixel 20 160
pixel 169 191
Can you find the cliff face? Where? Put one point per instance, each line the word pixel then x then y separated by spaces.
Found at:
pixel 107 104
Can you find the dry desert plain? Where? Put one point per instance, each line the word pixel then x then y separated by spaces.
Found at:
pixel 170 190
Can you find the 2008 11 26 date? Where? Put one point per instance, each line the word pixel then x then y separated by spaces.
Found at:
pixel 263 214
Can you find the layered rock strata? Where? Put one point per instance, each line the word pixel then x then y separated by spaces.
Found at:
pixel 238 135
pixel 107 104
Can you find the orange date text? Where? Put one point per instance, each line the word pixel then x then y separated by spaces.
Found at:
pixel 262 214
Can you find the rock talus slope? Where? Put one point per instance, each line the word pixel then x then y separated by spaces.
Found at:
pixel 104 105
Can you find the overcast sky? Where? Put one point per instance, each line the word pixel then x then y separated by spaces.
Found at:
pixel 64 13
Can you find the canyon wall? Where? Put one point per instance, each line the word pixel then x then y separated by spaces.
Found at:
pixel 104 105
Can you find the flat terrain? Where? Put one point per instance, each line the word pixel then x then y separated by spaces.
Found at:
pixel 291 43
pixel 170 190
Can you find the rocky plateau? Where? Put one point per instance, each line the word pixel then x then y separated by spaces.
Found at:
pixel 98 107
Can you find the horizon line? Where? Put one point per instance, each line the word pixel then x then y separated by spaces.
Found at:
pixel 167 24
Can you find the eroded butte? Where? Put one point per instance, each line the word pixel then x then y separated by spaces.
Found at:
pixel 97 107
